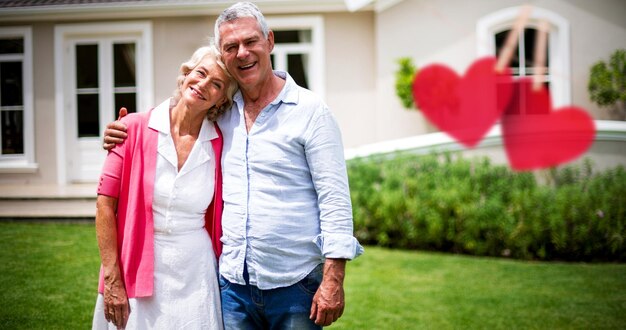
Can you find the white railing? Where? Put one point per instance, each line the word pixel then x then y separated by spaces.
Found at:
pixel 606 130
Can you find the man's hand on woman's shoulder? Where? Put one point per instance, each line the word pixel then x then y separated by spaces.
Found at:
pixel 115 133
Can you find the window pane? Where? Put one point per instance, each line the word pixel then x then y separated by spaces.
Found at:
pixel 11 83
pixel 88 110
pixel 12 132
pixel 530 38
pixel 500 40
pixel 127 100
pixel 296 64
pixel 124 64
pixel 292 36
pixel 86 66
pixel 12 46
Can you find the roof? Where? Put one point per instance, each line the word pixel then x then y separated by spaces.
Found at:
pixel 36 3
pixel 55 10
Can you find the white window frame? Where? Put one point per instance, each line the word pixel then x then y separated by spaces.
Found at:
pixel 315 49
pixel 66 32
pixel 558 45
pixel 24 163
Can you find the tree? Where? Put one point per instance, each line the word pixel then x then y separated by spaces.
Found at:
pixel 607 83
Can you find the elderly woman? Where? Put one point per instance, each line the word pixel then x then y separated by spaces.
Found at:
pixel 159 206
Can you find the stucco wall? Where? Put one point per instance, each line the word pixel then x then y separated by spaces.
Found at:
pixel 44 98
pixel 44 108
pixel 350 75
pixel 443 31
pixel 598 28
pixel 361 50
pixel 350 65
pixel 175 39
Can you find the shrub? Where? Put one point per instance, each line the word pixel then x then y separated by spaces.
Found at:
pixel 451 204
pixel 404 82
pixel 607 82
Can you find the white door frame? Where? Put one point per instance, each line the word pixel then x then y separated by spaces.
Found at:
pixel 66 36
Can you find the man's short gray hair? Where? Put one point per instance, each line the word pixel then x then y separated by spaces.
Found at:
pixel 239 10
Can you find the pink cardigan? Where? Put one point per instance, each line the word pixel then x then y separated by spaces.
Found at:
pixel 128 175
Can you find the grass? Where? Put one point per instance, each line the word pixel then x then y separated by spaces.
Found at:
pixel 390 289
pixel 49 277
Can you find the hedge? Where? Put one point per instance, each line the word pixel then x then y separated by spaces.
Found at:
pixel 470 206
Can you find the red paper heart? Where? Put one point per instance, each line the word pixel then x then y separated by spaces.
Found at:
pixel 539 137
pixel 466 107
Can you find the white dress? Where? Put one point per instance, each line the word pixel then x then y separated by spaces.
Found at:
pixel 186 292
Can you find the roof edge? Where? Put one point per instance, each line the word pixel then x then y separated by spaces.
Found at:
pixel 128 10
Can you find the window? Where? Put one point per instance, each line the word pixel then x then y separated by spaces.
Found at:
pixel 16 104
pixel 99 68
pixel 522 64
pixel 291 53
pixel 491 32
pixel 298 49
pixel 118 56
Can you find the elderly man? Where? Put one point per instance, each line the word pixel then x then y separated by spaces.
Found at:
pixel 287 221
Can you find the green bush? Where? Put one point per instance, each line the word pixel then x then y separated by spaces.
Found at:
pixel 447 203
pixel 404 82
pixel 607 83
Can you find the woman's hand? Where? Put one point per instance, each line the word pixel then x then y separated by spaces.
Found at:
pixel 116 307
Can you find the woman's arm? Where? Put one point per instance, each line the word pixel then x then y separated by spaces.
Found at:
pixel 116 308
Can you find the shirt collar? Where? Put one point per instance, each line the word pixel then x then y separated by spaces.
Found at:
pixel 160 117
pixel 160 121
pixel 289 93
pixel 207 132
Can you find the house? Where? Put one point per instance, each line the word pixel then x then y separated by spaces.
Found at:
pixel 66 66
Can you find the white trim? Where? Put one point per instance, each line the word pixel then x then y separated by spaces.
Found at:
pixel 19 164
pixel 18 167
pixel 606 130
pixel 317 65
pixel 382 5
pixel 11 57
pixel 354 5
pixel 559 45
pixel 65 33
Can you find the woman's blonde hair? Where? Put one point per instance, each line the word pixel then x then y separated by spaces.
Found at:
pixel 197 57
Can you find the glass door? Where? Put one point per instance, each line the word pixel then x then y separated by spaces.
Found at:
pixel 103 80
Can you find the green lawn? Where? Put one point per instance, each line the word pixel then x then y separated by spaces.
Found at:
pixel 49 277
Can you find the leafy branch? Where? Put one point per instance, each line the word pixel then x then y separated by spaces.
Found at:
pixel 404 82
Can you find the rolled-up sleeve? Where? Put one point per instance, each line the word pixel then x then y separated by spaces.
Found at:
pixel 324 152
pixel 111 173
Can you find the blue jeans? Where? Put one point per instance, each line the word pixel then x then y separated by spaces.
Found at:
pixel 248 307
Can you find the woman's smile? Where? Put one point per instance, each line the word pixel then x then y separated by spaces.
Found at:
pixel 197 93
